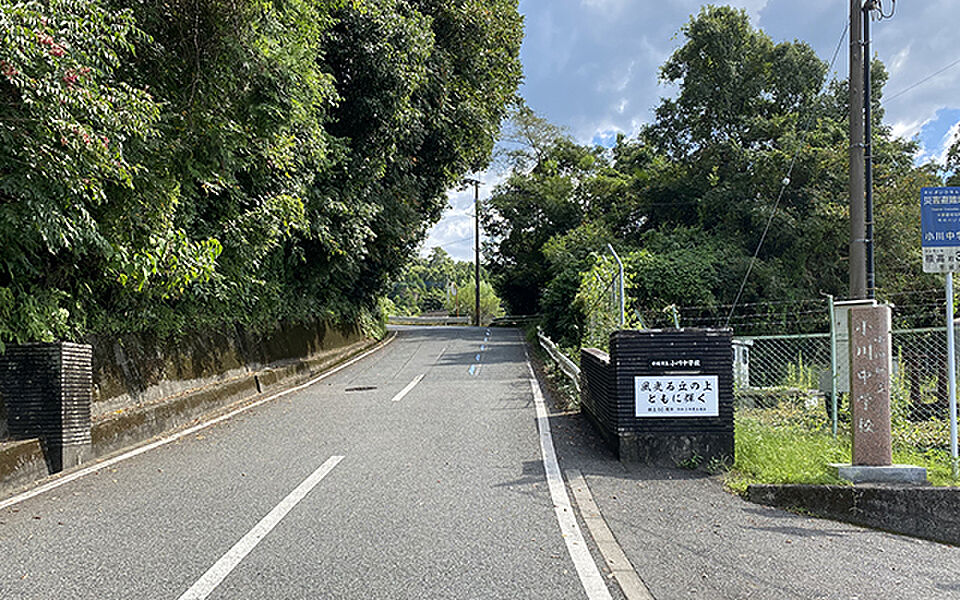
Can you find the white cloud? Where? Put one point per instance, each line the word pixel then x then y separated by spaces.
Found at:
pixel 608 7
pixel 908 129
pixel 948 141
pixel 592 65
pixel 455 232
pixel 899 61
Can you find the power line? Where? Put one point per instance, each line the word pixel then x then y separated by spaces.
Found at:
pixel 924 80
pixel 455 242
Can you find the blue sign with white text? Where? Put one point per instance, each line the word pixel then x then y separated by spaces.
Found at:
pixel 940 229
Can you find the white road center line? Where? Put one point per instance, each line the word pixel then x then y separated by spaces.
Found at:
pixel 181 434
pixel 590 577
pixel 228 562
pixel 409 387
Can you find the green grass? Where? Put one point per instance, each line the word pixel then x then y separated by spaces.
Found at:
pixel 793 444
pixel 772 452
pixel 936 461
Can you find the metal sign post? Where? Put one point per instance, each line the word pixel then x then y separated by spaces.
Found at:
pixel 940 227
pixel 952 377
pixel 623 303
pixel 833 368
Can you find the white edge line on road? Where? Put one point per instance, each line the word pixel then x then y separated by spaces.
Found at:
pixel 181 434
pixel 587 570
pixel 228 562
pixel 630 583
pixel 409 387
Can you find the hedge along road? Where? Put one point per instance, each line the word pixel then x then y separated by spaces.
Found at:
pixel 414 473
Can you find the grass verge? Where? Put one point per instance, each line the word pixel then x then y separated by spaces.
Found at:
pixel 793 444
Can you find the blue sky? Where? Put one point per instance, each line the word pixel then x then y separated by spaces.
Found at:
pixel 591 67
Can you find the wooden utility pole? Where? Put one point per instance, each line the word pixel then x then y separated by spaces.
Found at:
pixel 871 276
pixel 476 239
pixel 858 233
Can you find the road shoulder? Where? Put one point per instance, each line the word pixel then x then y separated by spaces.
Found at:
pixel 687 537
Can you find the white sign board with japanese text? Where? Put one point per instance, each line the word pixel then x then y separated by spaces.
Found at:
pixel 676 396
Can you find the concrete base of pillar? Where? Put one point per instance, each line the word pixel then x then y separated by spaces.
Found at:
pixel 65 457
pixel 903 474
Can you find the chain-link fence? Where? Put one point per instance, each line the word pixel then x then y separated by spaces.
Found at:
pixel 786 362
pixel 785 355
pixel 770 369
pixel 601 305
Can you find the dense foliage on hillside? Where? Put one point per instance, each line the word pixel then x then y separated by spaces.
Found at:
pixel 438 283
pixel 687 202
pixel 171 166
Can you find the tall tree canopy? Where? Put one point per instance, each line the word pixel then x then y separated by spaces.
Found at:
pixel 753 133
pixel 167 166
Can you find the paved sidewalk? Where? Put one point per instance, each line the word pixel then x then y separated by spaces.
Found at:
pixel 688 538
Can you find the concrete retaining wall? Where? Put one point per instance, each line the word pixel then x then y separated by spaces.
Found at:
pixel 927 512
pixel 21 463
pixel 136 371
pixel 117 430
pixel 142 387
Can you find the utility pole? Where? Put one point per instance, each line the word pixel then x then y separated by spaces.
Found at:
pixel 868 6
pixel 476 237
pixel 858 233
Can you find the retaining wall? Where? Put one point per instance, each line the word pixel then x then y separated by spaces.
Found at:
pixel 927 512
pixel 142 387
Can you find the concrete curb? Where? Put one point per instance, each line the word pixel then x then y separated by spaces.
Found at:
pixel 23 464
pixel 626 575
pixel 931 513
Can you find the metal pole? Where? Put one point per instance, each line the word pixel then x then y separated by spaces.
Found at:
pixel 952 375
pixel 868 154
pixel 858 234
pixel 476 237
pixel 623 303
pixel 833 367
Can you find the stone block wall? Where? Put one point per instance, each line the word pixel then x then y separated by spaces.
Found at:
pixel 47 393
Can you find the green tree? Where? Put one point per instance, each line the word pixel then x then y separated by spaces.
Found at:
pixel 71 220
pixel 176 166
pixel 538 200
pixel 952 165
pixel 753 146
pixel 489 302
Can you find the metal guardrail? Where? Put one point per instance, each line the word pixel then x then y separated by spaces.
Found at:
pixel 569 368
pixel 401 320
pixel 514 320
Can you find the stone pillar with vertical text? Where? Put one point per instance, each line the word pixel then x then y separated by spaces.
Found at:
pixel 870 372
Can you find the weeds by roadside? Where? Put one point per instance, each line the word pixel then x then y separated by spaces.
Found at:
pixel 792 443
pixel 562 390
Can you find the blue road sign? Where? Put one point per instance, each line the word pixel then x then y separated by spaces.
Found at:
pixel 940 229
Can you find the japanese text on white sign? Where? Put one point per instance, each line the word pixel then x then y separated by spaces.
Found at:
pixel 676 396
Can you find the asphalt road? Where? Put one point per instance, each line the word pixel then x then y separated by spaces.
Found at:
pixel 439 494
pixel 418 473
